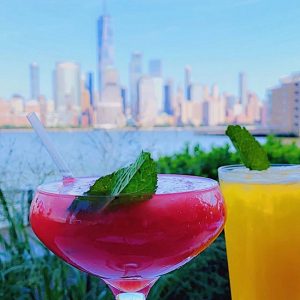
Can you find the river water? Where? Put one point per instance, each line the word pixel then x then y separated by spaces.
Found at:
pixel 25 163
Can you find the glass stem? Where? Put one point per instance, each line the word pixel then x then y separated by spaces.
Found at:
pixel 131 296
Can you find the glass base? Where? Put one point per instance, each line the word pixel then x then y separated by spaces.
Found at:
pixel 130 288
pixel 131 296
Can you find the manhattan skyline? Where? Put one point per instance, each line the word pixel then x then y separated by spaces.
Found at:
pixel 218 40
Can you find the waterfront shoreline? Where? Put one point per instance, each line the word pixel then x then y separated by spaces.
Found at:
pixel 205 130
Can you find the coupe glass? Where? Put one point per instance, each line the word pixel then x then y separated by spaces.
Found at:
pixel 129 244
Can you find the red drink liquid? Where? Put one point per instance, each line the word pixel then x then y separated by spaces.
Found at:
pixel 130 246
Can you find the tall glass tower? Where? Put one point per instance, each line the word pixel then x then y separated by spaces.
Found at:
pixel 105 47
pixel 34 81
pixel 67 86
pixel 135 74
pixel 243 89
pixel 187 82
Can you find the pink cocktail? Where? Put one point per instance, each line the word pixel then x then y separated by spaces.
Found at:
pixel 130 246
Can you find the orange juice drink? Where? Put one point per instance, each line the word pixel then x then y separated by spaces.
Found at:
pixel 263 231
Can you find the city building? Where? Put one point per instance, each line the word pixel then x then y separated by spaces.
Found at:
pixel 17 103
pixel 32 106
pixel 155 68
pixel 217 112
pixel 135 73
pixel 243 89
pixel 168 97
pixel 284 106
pixel 196 104
pixel 12 112
pixel 87 110
pixel 34 81
pixel 42 102
pixel 158 91
pixel 213 108
pixel 124 100
pixel 51 116
pixel 191 113
pixel 254 109
pixel 178 106
pixel 187 82
pixel 105 48
pixel 89 85
pixel 215 93
pixel 230 102
pixel 67 93
pixel 5 113
pixel 196 92
pixel 110 107
pixel 148 102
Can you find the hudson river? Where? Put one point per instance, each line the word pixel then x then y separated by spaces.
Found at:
pixel 25 163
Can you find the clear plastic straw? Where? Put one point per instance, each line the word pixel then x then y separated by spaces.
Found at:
pixel 55 155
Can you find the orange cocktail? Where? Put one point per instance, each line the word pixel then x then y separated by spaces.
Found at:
pixel 263 231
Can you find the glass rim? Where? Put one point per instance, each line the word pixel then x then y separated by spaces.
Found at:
pixel 214 184
pixel 276 174
pixel 229 168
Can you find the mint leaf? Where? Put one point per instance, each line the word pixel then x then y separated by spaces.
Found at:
pixel 139 177
pixel 251 152
pixel 136 182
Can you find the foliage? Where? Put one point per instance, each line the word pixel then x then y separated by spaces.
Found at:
pixel 31 275
pixel 195 161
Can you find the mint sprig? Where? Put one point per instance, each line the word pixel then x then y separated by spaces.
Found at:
pixel 251 152
pixel 134 183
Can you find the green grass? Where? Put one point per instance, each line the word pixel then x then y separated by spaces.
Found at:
pixel 25 275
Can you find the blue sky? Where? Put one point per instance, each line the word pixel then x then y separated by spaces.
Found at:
pixel 218 38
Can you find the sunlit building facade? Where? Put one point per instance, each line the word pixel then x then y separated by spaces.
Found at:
pixel 284 106
pixel 148 102
pixel 34 81
pixel 67 93
pixel 135 74
pixel 110 112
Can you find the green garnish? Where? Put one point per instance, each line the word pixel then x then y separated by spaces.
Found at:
pixel 251 152
pixel 134 183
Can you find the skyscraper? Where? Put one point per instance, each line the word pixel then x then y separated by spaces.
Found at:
pixel 89 84
pixel 110 108
pixel 34 81
pixel 284 106
pixel 243 89
pixel 148 102
pixel 135 73
pixel 187 82
pixel 105 47
pixel 155 68
pixel 158 89
pixel 215 91
pixel 168 97
pixel 196 92
pixel 67 92
pixel 124 99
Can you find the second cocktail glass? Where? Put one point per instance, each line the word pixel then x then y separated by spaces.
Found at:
pixel 262 231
